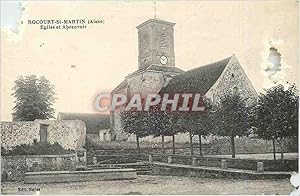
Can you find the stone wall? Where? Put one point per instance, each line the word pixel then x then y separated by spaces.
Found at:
pixel 15 167
pixel 246 164
pixel 200 172
pixel 16 133
pixel 70 134
pixel 233 80
pixel 145 83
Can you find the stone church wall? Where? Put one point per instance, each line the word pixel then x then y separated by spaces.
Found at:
pixel 70 134
pixel 144 84
pixel 148 82
pixel 233 80
pixel 16 133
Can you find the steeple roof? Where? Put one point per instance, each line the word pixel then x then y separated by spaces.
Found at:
pixel 155 21
pixel 157 68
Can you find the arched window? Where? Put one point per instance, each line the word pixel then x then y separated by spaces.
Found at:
pixel 235 90
pixel 146 43
pixel 163 42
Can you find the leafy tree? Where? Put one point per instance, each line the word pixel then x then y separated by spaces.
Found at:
pixel 232 118
pixel 174 126
pixel 275 116
pixel 200 123
pixel 34 98
pixel 182 124
pixel 160 124
pixel 135 122
pixel 195 122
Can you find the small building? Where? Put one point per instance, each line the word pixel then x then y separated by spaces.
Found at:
pixel 93 121
pixel 105 135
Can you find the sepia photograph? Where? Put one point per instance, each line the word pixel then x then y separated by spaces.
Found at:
pixel 149 97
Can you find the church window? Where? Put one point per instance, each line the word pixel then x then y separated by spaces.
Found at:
pixel 163 42
pixel 146 42
pixel 35 164
pixel 235 90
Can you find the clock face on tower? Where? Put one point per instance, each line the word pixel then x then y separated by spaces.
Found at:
pixel 163 60
pixel 156 44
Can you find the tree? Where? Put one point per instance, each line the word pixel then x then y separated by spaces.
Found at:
pixel 201 122
pixel 34 98
pixel 232 118
pixel 135 122
pixel 260 124
pixel 161 124
pixel 275 116
pixel 174 126
pixel 195 122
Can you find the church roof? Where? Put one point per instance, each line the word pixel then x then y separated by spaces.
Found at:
pixel 198 80
pixel 93 121
pixel 155 21
pixel 121 86
pixel 159 68
pixel 165 69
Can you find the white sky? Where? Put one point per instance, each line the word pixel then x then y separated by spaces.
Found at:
pixel 205 31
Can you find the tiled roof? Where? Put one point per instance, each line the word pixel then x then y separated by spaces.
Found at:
pixel 198 80
pixel 93 121
pixel 136 72
pixel 159 68
pixel 121 86
pixel 164 69
pixel 155 21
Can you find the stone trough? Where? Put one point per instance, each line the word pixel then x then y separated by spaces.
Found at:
pixel 79 176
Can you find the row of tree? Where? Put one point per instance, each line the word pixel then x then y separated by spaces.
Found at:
pixel 273 117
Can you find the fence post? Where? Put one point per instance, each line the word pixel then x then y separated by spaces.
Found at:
pixel 94 160
pixel 150 158
pixel 223 164
pixel 194 162
pixel 260 167
pixel 169 159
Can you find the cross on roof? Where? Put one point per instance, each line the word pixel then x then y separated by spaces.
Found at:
pixel 154 9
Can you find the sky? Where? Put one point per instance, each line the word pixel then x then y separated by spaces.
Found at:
pixel 83 63
pixel 11 13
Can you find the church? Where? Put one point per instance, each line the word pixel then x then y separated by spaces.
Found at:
pixel 157 73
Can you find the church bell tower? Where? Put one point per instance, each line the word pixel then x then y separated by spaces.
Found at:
pixel 156 43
